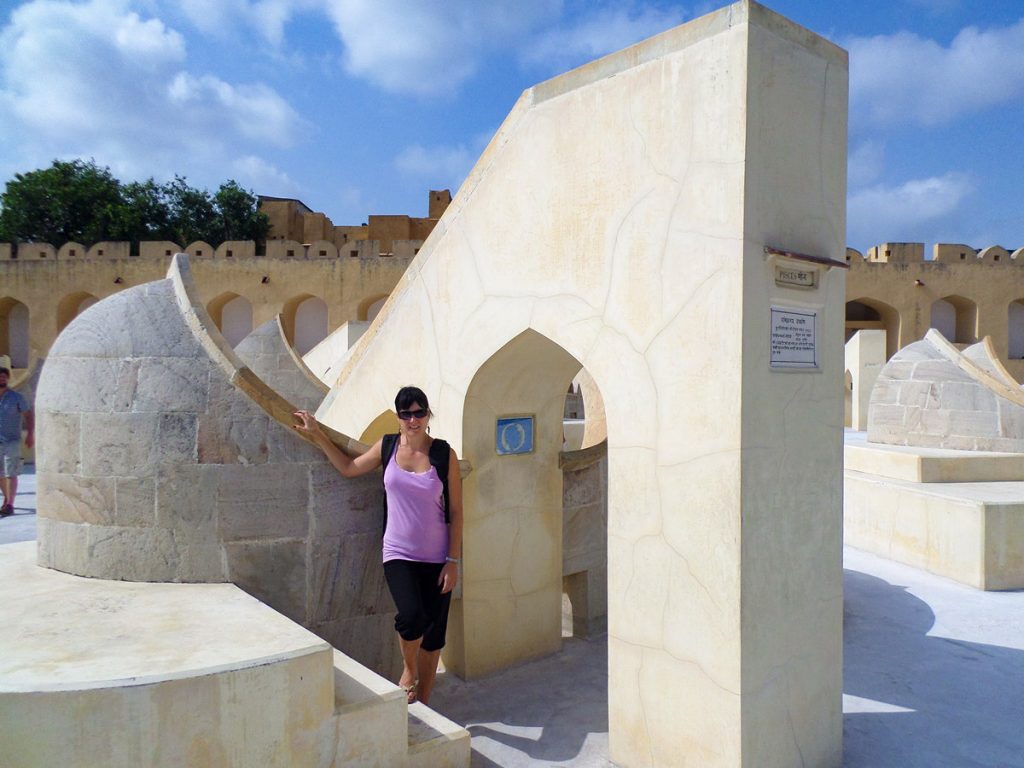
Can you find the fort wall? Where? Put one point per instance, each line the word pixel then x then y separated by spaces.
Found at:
pixel 965 293
pixel 45 287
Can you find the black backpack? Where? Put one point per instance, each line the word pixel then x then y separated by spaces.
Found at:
pixel 440 453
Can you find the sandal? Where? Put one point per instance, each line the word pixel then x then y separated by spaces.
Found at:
pixel 410 691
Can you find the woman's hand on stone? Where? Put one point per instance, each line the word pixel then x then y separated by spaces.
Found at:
pixel 449 577
pixel 307 425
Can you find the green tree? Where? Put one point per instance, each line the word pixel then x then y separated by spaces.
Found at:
pixel 80 201
pixel 74 200
pixel 240 216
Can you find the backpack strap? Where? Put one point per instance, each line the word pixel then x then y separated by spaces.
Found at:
pixel 388 445
pixel 440 455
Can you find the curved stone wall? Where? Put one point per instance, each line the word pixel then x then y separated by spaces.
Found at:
pixel 932 395
pixel 269 355
pixel 162 458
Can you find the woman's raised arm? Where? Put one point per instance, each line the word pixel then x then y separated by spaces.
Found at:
pixel 308 427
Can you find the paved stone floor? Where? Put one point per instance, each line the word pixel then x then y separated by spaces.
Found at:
pixel 934 677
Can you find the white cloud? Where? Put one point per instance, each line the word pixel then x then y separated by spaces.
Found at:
pixel 865 163
pixel 604 31
pixel 896 212
pixel 221 18
pixel 429 47
pixel 96 79
pixel 254 172
pixel 904 78
pixel 442 165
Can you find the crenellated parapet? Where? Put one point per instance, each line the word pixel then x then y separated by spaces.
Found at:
pixel 942 253
pixel 162 250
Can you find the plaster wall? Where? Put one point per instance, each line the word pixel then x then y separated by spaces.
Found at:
pixel 654 178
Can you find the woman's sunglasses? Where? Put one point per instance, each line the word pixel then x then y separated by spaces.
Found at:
pixel 419 413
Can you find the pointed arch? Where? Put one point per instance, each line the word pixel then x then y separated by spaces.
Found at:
pixel 866 312
pixel 232 314
pixel 14 327
pixel 71 306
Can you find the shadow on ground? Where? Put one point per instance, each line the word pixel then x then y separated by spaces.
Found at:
pixel 940 701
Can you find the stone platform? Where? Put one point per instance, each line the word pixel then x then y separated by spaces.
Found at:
pixel 958 514
pixel 115 673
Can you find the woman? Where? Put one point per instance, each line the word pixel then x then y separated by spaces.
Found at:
pixel 422 538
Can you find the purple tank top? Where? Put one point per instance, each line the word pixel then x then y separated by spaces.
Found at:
pixel 416 527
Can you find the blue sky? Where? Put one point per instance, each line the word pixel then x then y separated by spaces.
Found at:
pixel 361 106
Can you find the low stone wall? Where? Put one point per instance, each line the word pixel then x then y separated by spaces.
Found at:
pixel 162 458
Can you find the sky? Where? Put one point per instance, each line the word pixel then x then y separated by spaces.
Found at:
pixel 360 107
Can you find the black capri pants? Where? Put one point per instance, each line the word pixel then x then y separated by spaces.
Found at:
pixel 422 609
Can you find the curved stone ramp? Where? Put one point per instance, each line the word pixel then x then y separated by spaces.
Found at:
pixel 267 353
pixel 329 356
pixel 933 395
pixel 161 457
pixel 983 354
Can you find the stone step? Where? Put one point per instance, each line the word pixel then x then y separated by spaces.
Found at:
pixel 376 727
pixel 435 741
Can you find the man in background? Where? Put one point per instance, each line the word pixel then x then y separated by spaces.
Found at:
pixel 14 413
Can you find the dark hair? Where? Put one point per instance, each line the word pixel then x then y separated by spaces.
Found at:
pixel 5 370
pixel 409 396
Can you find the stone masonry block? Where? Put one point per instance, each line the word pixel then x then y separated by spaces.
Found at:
pixel 919 394
pixel 963 396
pixel 76 499
pixel 1011 420
pixel 101 396
pixel 172 384
pixel 974 423
pixel 262 502
pixel 348 577
pixel 132 554
pixel 284 446
pixel 885 392
pixel 274 572
pixel 233 440
pixel 177 435
pixel 120 444
pixel 61 544
pixel 939 370
pixel 60 449
pixel 134 501
pixel 582 487
pixel 887 416
pixel 370 640
pixel 186 498
pixel 340 506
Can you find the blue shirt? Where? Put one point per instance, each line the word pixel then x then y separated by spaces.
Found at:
pixel 12 405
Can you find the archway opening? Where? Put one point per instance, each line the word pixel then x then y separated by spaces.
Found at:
pixel 310 324
pixel 956 318
pixel 1015 330
pixel 71 306
pixel 523 549
pixel 232 314
pixel 370 307
pixel 14 320
pixel 869 313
